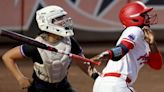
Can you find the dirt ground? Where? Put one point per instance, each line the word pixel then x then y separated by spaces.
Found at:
pixel 148 80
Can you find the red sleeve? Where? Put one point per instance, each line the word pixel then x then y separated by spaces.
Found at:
pixel 155 60
pixel 110 54
pixel 128 43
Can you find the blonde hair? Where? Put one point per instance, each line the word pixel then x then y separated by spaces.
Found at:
pixel 44 35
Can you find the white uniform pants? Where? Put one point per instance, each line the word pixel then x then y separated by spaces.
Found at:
pixel 111 84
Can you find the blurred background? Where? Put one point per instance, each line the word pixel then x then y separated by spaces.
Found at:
pixel 96 27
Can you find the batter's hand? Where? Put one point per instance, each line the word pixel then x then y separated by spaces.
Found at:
pixel 103 57
pixel 24 82
pixel 149 36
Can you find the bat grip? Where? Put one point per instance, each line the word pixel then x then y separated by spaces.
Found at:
pixel 74 56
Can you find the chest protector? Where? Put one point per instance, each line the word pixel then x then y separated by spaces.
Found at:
pixel 55 65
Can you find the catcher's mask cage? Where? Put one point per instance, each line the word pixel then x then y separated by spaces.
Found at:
pixel 53 19
pixel 137 14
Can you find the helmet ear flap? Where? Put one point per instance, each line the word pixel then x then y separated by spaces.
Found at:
pixel 138 21
pixel 135 20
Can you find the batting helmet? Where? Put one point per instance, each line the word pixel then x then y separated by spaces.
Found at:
pixel 132 14
pixel 53 19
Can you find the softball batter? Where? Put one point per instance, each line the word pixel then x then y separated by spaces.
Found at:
pixel 135 48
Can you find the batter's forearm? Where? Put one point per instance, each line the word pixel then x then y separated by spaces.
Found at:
pixel 153 47
pixel 155 59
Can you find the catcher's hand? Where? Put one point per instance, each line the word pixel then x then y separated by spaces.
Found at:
pixel 24 82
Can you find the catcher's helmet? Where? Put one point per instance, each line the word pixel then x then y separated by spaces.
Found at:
pixel 53 19
pixel 134 14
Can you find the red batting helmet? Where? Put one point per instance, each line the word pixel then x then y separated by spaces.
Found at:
pixel 131 14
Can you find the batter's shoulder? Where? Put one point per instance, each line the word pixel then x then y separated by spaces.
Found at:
pixel 134 28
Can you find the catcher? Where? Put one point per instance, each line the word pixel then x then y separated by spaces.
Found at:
pixel 50 68
pixel 135 48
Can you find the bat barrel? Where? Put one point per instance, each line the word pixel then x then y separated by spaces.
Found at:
pixel 25 39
